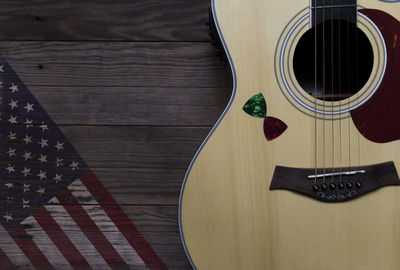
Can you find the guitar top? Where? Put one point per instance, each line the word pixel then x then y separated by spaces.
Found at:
pixel 301 170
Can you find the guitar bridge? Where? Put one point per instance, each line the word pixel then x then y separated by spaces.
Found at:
pixel 341 185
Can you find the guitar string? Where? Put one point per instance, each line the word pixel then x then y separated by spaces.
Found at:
pixel 323 84
pixel 332 98
pixel 315 87
pixel 357 86
pixel 340 95
pixel 348 81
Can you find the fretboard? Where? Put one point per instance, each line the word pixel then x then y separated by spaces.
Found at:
pixel 323 10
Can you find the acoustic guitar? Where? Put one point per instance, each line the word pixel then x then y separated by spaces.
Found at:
pixel 301 170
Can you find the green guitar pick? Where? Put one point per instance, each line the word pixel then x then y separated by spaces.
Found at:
pixel 256 106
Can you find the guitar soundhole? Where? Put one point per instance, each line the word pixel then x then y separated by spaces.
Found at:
pixel 344 60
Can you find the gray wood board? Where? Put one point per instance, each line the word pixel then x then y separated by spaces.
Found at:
pixel 158 225
pixel 139 20
pixel 132 105
pixel 129 146
pixel 124 64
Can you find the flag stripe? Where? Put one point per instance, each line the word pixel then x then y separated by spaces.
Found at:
pixel 92 232
pixel 61 240
pixel 123 223
pixel 77 237
pixel 12 251
pixel 29 248
pixel 6 264
pixel 104 223
pixel 43 242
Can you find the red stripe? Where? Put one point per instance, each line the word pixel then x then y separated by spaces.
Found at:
pixel 61 240
pixel 31 251
pixel 123 223
pixel 95 236
pixel 5 262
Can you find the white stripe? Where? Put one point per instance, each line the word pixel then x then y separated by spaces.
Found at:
pixel 77 237
pixel 43 242
pixel 13 252
pixel 105 224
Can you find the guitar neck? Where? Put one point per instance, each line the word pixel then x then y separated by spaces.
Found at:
pixel 324 10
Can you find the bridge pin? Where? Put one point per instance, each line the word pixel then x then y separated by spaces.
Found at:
pixel 340 185
pixel 332 186
pixel 349 185
pixel 359 184
pixel 324 186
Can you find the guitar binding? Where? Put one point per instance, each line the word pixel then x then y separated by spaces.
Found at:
pixel 216 42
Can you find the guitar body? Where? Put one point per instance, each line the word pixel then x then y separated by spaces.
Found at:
pixel 230 217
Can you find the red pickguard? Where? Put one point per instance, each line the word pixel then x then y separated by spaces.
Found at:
pixel 378 120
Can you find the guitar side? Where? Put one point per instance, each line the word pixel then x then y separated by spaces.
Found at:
pixel 228 216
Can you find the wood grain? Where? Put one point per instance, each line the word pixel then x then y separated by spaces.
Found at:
pixel 135 146
pixel 158 224
pixel 132 146
pixel 124 64
pixel 135 87
pixel 141 20
pixel 132 105
pixel 129 186
pixel 142 186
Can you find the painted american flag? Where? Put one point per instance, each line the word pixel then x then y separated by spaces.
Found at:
pixel 54 212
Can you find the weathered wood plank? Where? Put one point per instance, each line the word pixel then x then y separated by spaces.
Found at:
pixel 132 105
pixel 126 146
pixel 151 20
pixel 142 186
pixel 136 147
pixel 127 186
pixel 124 64
pixel 158 224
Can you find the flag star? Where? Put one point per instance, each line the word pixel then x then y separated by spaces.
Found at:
pixel 59 146
pixel 28 123
pixel 74 165
pixel 26 188
pixel 27 139
pixel 59 162
pixel 57 177
pixel 8 217
pixel 40 190
pixel 14 88
pixel 13 120
pixel 42 158
pixel 25 203
pixel 43 143
pixel 44 127
pixel 12 136
pixel 26 171
pixel 9 185
pixel 13 104
pixel 42 175
pixel 10 169
pixel 27 155
pixel 29 107
pixel 11 152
